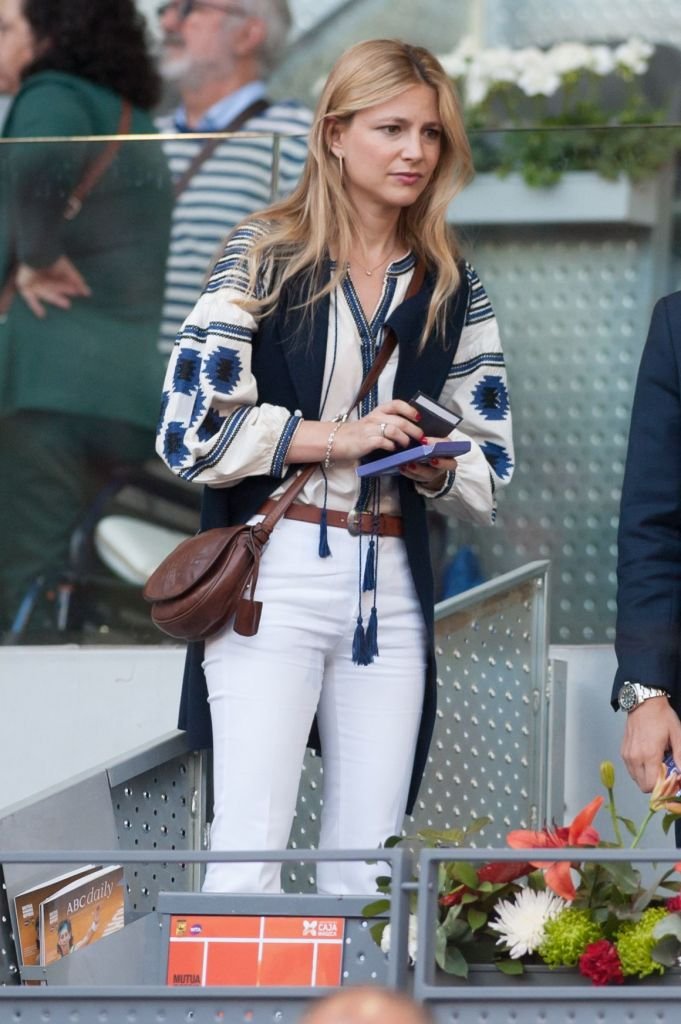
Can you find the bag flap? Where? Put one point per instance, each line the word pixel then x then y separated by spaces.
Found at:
pixel 187 565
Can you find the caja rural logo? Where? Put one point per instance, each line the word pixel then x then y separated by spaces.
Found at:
pixel 320 929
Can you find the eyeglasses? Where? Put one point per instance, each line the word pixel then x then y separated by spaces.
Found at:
pixel 183 8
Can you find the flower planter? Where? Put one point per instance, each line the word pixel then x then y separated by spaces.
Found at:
pixel 580 197
pixel 537 975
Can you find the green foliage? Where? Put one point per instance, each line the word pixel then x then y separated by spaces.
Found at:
pixel 593 123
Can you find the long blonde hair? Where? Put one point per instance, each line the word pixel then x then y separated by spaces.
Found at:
pixel 318 214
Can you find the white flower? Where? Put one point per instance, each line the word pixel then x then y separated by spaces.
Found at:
pixel 538 80
pixel 385 940
pixel 454 63
pixel 521 922
pixel 566 57
pixel 468 47
pixel 496 64
pixel 634 55
pixel 476 88
pixel 602 60
pixel 412 943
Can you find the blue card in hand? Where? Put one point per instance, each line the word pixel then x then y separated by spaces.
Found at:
pixel 390 465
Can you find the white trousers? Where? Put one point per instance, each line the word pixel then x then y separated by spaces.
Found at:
pixel 265 690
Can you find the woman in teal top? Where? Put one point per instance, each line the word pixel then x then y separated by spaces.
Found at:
pixel 79 369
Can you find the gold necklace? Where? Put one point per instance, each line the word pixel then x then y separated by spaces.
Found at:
pixel 372 271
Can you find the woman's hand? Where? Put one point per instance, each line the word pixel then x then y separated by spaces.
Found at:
pixel 55 285
pixel 391 427
pixel 432 473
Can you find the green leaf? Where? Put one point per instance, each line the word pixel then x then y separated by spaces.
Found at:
pixel 476 919
pixel 454 962
pixel 470 897
pixel 649 894
pixel 463 872
pixel 625 877
pixel 453 926
pixel 436 837
pixel 666 951
pixel 669 925
pixel 477 825
pixel 668 821
pixel 376 908
pixel 628 824
pixel 510 966
pixel 376 931
pixel 392 841
pixel 440 946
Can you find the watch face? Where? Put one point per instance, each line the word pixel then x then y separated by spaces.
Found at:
pixel 627 698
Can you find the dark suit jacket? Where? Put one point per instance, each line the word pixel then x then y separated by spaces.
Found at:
pixel 288 362
pixel 648 635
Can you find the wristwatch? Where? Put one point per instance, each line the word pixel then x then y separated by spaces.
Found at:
pixel 633 694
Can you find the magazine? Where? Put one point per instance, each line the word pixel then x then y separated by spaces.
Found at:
pixel 83 911
pixel 27 911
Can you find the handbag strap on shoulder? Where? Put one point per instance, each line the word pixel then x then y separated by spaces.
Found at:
pixel 95 170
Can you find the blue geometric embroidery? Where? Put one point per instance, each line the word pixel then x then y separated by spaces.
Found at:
pixel 199 407
pixel 282 448
pixel 498 458
pixel 227 435
pixel 162 413
pixel 471 365
pixel 174 448
pixel 223 369
pixel 186 376
pixel 211 426
pixel 479 306
pixel 490 397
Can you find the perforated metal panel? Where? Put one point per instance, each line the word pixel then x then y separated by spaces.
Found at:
pixel 497 719
pixel 9 971
pixel 495 712
pixel 573 305
pixel 161 808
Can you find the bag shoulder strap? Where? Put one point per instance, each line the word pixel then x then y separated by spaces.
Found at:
pixel 96 169
pixel 209 147
pixel 383 355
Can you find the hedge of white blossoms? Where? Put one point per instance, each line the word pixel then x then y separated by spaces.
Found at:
pixel 479 73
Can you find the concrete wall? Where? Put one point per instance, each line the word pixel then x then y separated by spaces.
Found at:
pixel 64 710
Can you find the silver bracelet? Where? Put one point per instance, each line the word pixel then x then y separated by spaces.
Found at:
pixel 338 422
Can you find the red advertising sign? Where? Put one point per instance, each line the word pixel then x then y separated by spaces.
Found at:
pixel 255 951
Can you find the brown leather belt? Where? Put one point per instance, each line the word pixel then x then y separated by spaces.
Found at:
pixel 353 521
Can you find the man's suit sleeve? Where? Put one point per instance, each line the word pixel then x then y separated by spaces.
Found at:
pixel 648 632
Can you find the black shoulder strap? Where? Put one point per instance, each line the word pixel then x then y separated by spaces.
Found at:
pixel 258 107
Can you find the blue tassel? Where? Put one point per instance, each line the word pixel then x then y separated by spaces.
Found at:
pixel 372 634
pixel 324 549
pixel 369 567
pixel 360 654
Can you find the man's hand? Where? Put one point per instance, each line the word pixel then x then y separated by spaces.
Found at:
pixel 652 729
pixel 55 285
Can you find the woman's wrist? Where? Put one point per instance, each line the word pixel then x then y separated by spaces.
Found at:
pixel 311 441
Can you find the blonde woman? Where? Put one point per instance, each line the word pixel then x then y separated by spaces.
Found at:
pixel 261 380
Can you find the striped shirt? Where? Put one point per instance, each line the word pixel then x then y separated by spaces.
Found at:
pixel 235 181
